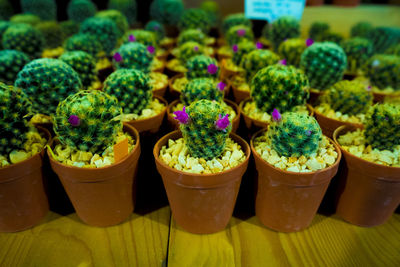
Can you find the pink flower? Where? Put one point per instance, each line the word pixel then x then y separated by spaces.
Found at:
pixel 212 69
pixel 182 116
pixel 309 42
pixel 241 32
pixel 222 123
pixel 221 86
pixel 151 49
pixel 132 38
pixel 235 48
pixel 308 132
pixel 259 45
pixel 282 62
pixel 276 116
pixel 196 48
pixel 74 120
pixel 117 57
pixel 369 88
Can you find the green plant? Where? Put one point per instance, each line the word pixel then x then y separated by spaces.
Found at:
pixel 84 64
pixel 212 10
pixel 118 18
pixel 393 50
pixel 69 28
pixel 83 42
pixel 257 60
pixel 201 88
pixel 358 50
pixel 51 32
pixel 6 9
pixel 239 33
pixel 205 128
pixel 191 35
pixel 294 134
pixel 361 29
pixel 317 30
pixel 47 81
pixel 382 126
pixel 25 18
pixel 194 18
pixel 127 7
pixel 348 97
pixel 166 11
pixel 132 89
pixel 133 56
pixel 383 37
pixel 24 38
pixel 291 50
pixel 144 37
pixel 279 87
pixel 79 10
pixel 157 28
pixel 241 50
pixel 324 64
pixel 234 20
pixel 283 28
pixel 202 66
pixel 87 121
pixel 333 37
pixel 45 9
pixel 384 71
pixel 3 27
pixel 103 29
pixel 11 62
pixel 188 50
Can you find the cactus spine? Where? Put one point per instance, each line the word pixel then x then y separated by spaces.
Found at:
pixel 201 88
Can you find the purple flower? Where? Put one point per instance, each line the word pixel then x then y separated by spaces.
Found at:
pixel 156 27
pixel 259 45
pixel 369 88
pixel 235 48
pixel 221 86
pixel 74 120
pixel 212 69
pixel 282 62
pixel 308 132
pixel 196 48
pixel 386 118
pixel 241 32
pixel 151 49
pixel 132 38
pixel 182 116
pixel 309 42
pixel 276 116
pixel 222 123
pixel 117 57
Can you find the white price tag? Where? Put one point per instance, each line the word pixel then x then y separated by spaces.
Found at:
pixel 273 9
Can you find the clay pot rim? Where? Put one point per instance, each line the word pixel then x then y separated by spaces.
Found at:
pixel 135 149
pixel 171 70
pixel 318 114
pixel 162 100
pixel 255 154
pixel 156 155
pixel 385 94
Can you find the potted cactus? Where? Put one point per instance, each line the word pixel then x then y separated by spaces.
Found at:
pixel 370 183
pixel 117 17
pixel 167 12
pixel 158 29
pixel 358 50
pixel 194 18
pixel 53 38
pixel 233 20
pixel 186 51
pixel 194 35
pixel 45 9
pixel 361 29
pixel 79 10
pixel 127 7
pixel 97 175
pixel 291 50
pixel 383 37
pixel 295 164
pixel 283 28
pixel 29 19
pixel 69 28
pixel 317 30
pixel 23 200
pixel 234 36
pixel 11 62
pixel 203 183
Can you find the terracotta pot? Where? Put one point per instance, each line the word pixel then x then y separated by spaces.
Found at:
pixel 171 30
pixel 172 73
pixel 226 73
pixel 239 95
pixel 314 2
pixel 101 196
pixel 23 201
pixel 160 69
pixel 314 95
pixel 349 3
pixel 175 125
pixel 201 203
pixel 288 201
pixel 221 42
pixel 370 192
pixel 349 76
pixel 161 91
pixel 102 74
pixel 163 57
pixel 152 124
pixel 169 46
pixel 380 97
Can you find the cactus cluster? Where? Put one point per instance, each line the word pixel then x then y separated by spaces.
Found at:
pixel 84 65
pixel 239 33
pixel 294 134
pixel 84 42
pixel 383 71
pixel 283 28
pixel 324 64
pixel 257 60
pixel 87 121
pixel 69 28
pixel 47 82
pixel 191 35
pixel 29 19
pixel 157 28
pixel 11 62
pixel 205 128
pixel 234 20
pixel 202 66
pixel 126 7
pixel 117 17
pixel 194 18
pixel 188 50
pixel 132 89
pixel 14 108
pixel 382 126
pixel 6 9
pixel 348 97
pixel 393 50
pixel 279 87
pixel 51 31
pixel 3 27
pixel 103 29
pixel 211 8
pixel 317 30
pixel 133 56
pixel 383 37
pixel 24 38
pixel 361 29
pixel 201 88
pixel 241 50
pixel 166 11
pixel 333 37
pixel 79 10
pixel 44 9
pixel 358 50
pixel 291 50
pixel 147 38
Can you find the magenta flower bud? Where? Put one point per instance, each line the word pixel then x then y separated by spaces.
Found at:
pixel 151 49
pixel 308 132
pixel 309 42
pixel 282 62
pixel 241 32
pixel 132 38
pixel 221 86
pixel 369 88
pixel 181 116
pixel 222 123
pixel 235 48
pixel 196 48
pixel 117 57
pixel 212 69
pixel 259 45
pixel 276 116
pixel 74 120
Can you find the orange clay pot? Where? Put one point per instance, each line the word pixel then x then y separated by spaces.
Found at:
pixel 380 97
pixel 23 201
pixel 370 192
pixel 161 91
pixel 239 95
pixel 160 69
pixel 201 203
pixel 288 201
pixel 102 196
pixel 174 124
pixel 151 124
pixel 226 73
pixel 170 72
pixel 314 95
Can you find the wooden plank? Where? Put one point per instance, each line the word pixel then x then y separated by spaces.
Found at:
pixel 66 241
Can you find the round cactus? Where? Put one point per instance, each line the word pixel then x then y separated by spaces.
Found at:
pixel 382 126
pixel 212 9
pixel 283 28
pixel 87 121
pixel 84 42
pixel 384 71
pixel 393 50
pixel 192 35
pixel 194 18
pixel 291 50
pixel 127 7
pixel 333 37
pixel 47 81
pixel 279 87
pixel 383 37
pixel 51 31
pixel 234 20
pixel 202 66
pixel 157 28
pixel 133 56
pixel 79 10
pixel 318 30
pixel 29 19
pixel 294 135
pixel 118 18
pixel 239 33
pixel 11 62
pixel 6 9
pixel 84 64
pixel 241 50
pixel 103 29
pixel 324 64
pixel 166 11
pixel 358 51
pixel 44 9
pixel 201 88
pixel 361 29
pixel 132 89
pixel 69 28
pixel 257 60
pixel 188 50
pixel 24 38
pixel 3 27
pixel 147 38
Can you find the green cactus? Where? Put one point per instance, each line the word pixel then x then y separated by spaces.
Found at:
pixel 6 9
pixel 212 10
pixel 202 66
pixel 14 108
pixel 157 28
pixel 361 29
pixel 126 7
pixel 383 37
pixel 279 87
pixel 84 42
pixel 134 56
pixel 191 35
pixel 11 62
pixel 283 28
pixel 203 138
pixel 69 28
pixel 384 71
pixel 51 32
pixel 24 38
pixel 188 50
pixel 47 81
pixel 239 33
pixel 194 18
pixel 234 20
pixel 3 27
pixel 87 121
pixel 132 89
pixel 29 19
pixel 348 97
pixel 257 60
pixel 318 30
pixel 324 64
pixel 44 9
pixel 84 64
pixel 79 10
pixel 103 29
pixel 393 50
pixel 291 50
pixel 118 18
pixel 382 126
pixel 166 11
pixel 147 38
pixel 201 88
pixel 333 37
pixel 358 50
pixel 241 50
pixel 295 135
